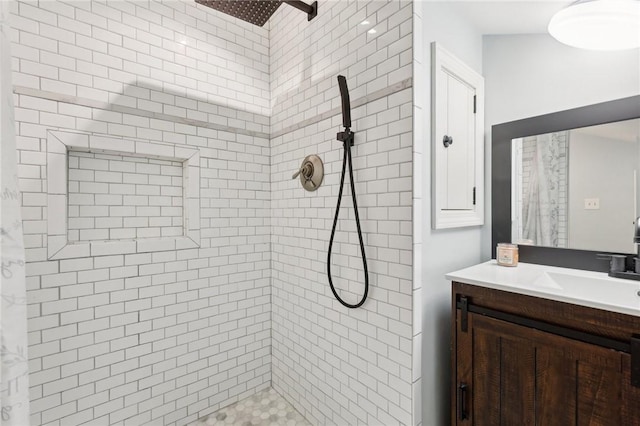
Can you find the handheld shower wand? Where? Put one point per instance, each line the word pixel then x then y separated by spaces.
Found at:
pixel 347 135
pixel 347 138
pixel 346 102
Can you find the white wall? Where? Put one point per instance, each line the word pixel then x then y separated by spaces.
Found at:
pixel 339 365
pixel 159 337
pixel 602 168
pixel 530 75
pixel 442 250
pixel 533 74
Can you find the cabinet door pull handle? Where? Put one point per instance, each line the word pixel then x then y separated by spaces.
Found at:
pixel 462 399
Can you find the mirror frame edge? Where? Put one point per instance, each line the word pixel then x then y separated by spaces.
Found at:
pixel 501 137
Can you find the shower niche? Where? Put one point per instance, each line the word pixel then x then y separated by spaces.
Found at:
pixel 116 196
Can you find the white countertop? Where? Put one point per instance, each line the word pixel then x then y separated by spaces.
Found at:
pixel 586 288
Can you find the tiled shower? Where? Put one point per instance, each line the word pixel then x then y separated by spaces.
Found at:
pixel 180 269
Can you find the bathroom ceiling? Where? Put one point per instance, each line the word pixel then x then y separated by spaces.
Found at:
pixel 508 17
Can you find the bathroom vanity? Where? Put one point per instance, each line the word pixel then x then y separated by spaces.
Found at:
pixel 543 345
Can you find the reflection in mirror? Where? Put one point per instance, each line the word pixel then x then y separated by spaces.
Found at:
pixel 577 188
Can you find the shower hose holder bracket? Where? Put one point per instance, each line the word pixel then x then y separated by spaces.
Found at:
pixel 345 136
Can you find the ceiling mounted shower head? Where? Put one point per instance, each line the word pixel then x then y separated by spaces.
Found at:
pixel 257 12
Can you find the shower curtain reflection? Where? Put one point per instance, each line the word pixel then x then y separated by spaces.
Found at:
pixel 544 174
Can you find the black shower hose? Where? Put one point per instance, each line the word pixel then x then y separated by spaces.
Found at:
pixel 347 157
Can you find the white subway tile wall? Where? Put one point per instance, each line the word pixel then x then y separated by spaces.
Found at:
pixel 160 337
pixel 173 57
pixel 115 197
pixel 166 337
pixel 338 365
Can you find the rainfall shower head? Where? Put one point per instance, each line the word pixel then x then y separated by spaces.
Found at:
pixel 257 12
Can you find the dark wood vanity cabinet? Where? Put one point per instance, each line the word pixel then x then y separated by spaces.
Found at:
pixel 522 360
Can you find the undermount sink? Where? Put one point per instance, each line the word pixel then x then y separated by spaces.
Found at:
pixel 587 288
pixel 605 290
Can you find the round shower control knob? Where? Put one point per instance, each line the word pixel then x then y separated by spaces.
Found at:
pixel 311 172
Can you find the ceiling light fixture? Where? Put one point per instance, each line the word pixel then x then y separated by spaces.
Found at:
pixel 598 24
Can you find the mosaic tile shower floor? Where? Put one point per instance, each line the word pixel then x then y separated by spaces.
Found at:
pixel 266 408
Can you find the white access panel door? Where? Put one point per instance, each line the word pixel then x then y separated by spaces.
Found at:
pixel 457 143
pixel 458 123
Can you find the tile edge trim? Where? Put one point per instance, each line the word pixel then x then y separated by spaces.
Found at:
pixel 90 103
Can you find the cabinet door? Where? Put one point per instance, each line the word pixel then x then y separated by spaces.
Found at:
pixel 457 142
pixel 513 375
pixel 457 120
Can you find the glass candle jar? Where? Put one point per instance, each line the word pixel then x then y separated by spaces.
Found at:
pixel 507 254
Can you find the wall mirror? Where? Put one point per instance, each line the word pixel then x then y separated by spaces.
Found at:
pixel 566 185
